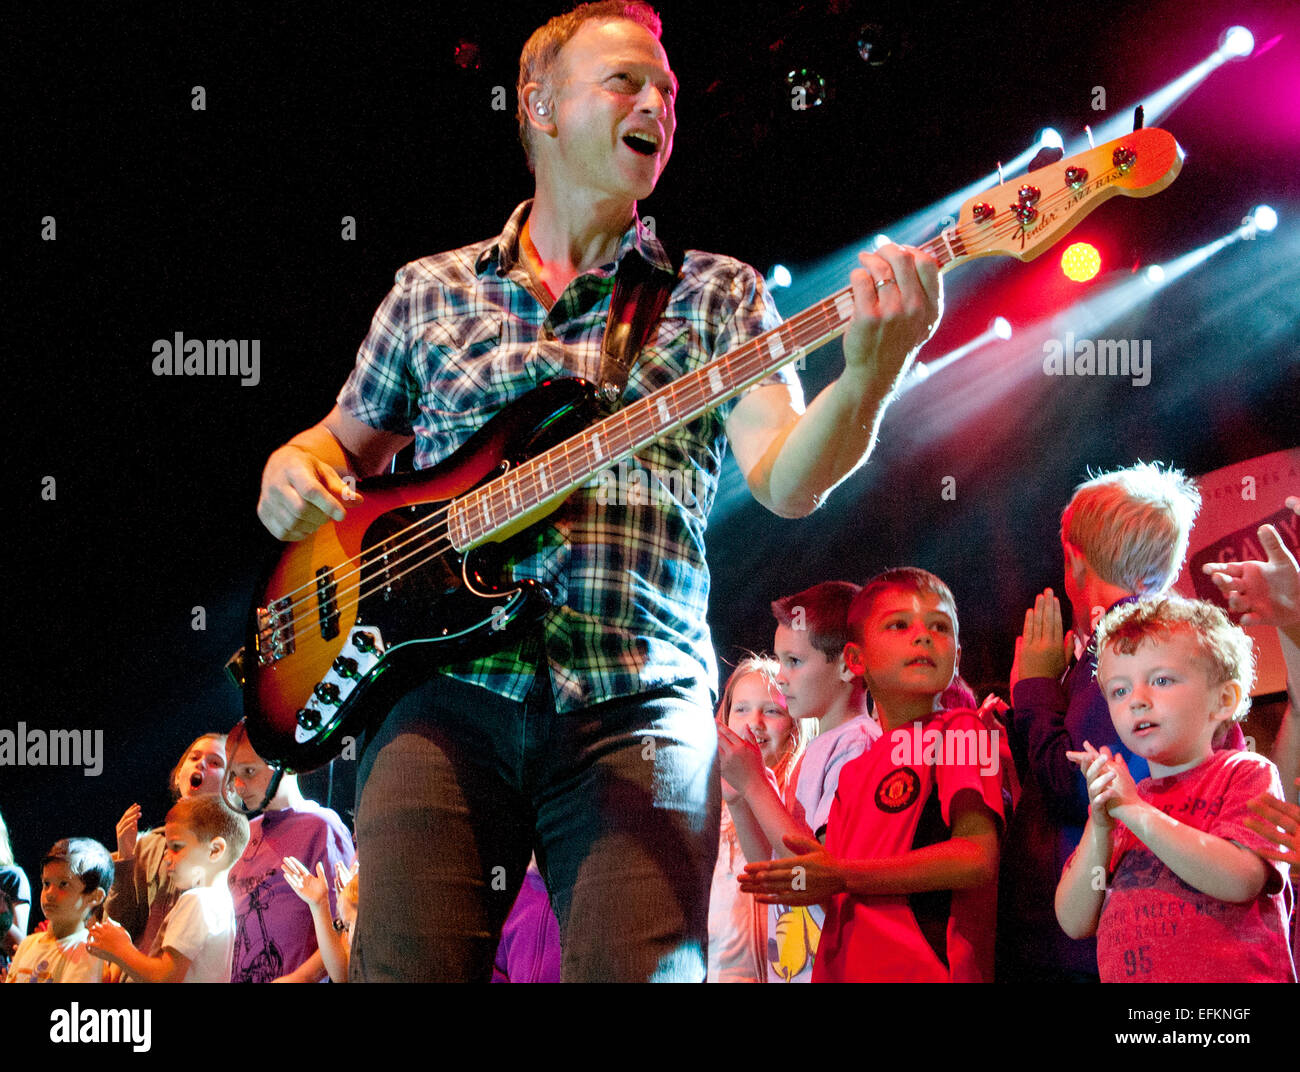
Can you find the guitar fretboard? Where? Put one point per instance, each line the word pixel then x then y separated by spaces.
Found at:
pixel 550 476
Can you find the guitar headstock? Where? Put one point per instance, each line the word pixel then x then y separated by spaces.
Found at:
pixel 1024 217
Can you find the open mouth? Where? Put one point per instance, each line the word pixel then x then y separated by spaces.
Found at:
pixel 643 144
pixel 921 661
pixel 196 780
pixel 1144 727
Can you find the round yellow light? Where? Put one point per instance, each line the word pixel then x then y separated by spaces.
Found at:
pixel 1081 262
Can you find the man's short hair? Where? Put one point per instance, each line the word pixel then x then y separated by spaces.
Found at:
pixel 823 610
pixel 210 817
pixel 537 61
pixel 1225 650
pixel 909 579
pixel 1132 525
pixel 87 859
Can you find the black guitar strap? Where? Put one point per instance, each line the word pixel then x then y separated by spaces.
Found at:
pixel 641 293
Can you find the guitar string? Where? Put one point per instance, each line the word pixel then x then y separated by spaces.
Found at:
pixel 494 496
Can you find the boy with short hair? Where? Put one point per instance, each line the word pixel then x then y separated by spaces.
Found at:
pixel 76 875
pixel 910 862
pixel 811 632
pixel 203 838
pixel 1123 534
pixel 1185 899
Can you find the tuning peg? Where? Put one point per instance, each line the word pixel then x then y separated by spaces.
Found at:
pixel 1139 117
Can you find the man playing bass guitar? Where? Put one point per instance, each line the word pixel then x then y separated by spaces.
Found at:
pixel 589 738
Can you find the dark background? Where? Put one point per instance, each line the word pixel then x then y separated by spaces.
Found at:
pixel 225 223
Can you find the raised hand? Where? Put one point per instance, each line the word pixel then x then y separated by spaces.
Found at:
pixel 128 830
pixel 314 889
pixel 739 760
pixel 1263 593
pixel 1041 650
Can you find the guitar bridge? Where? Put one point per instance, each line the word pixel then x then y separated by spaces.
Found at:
pixel 274 632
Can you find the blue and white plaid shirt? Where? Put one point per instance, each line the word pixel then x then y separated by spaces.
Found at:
pixel 460 335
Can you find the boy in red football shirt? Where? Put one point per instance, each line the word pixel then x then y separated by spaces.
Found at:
pixel 910 864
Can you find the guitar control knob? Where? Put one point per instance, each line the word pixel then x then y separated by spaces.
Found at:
pixel 1124 158
pixel 364 642
pixel 308 719
pixel 1076 176
pixel 982 211
pixel 327 692
pixel 345 667
pixel 1029 195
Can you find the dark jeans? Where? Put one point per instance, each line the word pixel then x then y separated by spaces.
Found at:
pixel 620 801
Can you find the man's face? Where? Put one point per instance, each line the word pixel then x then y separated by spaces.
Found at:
pixel 812 684
pixel 612 82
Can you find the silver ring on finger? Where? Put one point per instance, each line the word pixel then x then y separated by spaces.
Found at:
pixel 886 282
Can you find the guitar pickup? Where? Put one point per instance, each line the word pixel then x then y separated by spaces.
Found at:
pixel 327 607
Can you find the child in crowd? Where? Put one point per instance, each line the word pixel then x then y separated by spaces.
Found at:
pixel 1184 899
pixel 75 876
pixel 333 936
pixel 15 900
pixel 203 838
pixel 1123 534
pixel 811 633
pixel 142 893
pixel 752 715
pixel 275 939
pixel 911 853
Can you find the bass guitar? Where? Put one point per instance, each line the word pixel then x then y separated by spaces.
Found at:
pixel 339 627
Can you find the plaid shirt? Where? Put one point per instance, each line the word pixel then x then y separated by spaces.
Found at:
pixel 460 335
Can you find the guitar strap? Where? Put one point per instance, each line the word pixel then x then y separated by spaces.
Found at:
pixel 641 293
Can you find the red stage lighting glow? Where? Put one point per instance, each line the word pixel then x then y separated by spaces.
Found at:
pixel 1081 262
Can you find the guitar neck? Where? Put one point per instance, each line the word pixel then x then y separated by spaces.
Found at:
pixel 1021 218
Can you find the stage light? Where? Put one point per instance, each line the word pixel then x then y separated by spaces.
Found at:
pixel 876 44
pixel 779 276
pixel 468 56
pixel 807 89
pixel 1154 274
pixel 880 241
pixel 1081 262
pixel 1001 327
pixel 1050 139
pixel 1264 218
pixel 1236 43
